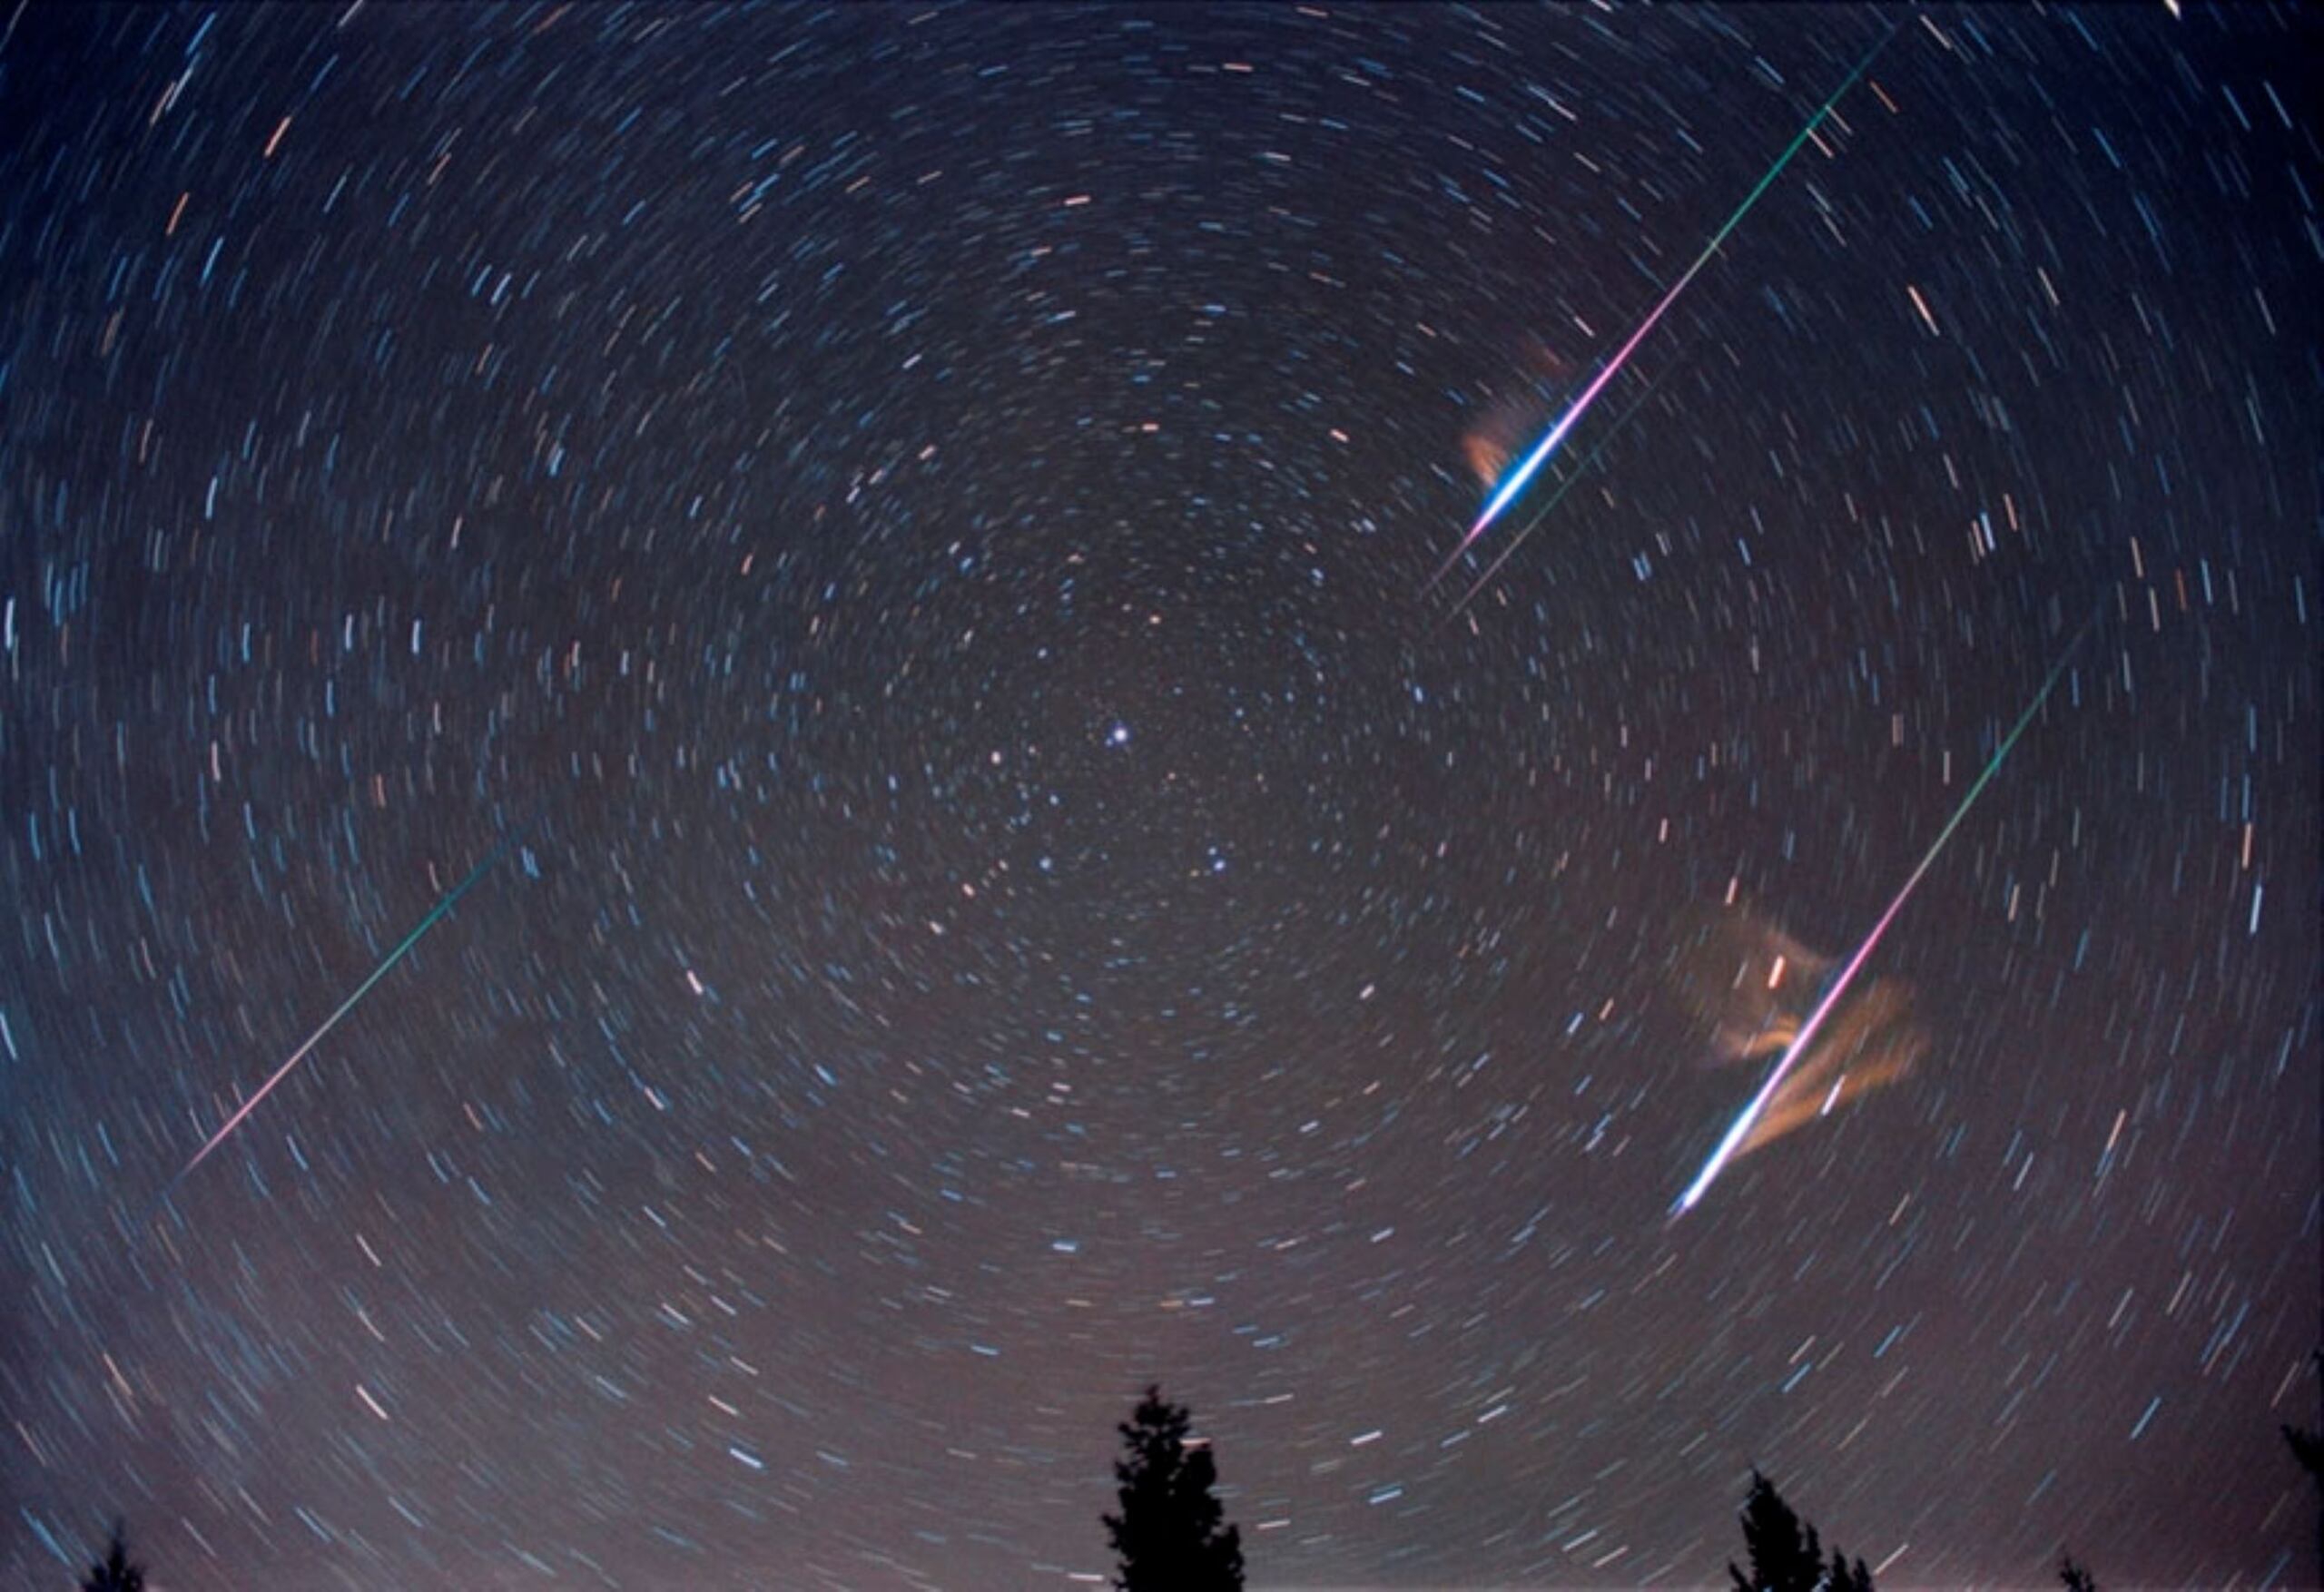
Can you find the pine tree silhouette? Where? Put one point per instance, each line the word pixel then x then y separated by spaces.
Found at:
pixel 1786 1556
pixel 2307 1447
pixel 1846 1576
pixel 1168 1537
pixel 2073 1577
pixel 114 1573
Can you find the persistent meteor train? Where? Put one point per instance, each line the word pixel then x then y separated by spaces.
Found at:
pixel 1556 497
pixel 1806 1036
pixel 1515 482
pixel 1755 986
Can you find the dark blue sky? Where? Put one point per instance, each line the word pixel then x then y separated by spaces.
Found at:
pixel 916 521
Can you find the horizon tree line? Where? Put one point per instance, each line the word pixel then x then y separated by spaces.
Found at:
pixel 1171 1537
pixel 1171 1533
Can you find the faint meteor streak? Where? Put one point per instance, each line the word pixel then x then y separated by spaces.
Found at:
pixel 242 1111
pixel 1808 1030
pixel 1519 479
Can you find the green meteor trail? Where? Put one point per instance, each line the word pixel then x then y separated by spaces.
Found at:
pixel 1524 474
pixel 435 916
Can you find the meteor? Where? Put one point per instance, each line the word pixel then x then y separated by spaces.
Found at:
pixel 435 915
pixel 1808 1030
pixel 1520 478
pixel 1556 497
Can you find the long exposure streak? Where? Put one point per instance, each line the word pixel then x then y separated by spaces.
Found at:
pixel 1556 497
pixel 242 1111
pixel 1806 1034
pixel 1507 492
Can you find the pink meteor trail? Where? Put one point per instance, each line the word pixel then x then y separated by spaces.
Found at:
pixel 242 1111
pixel 1806 1034
pixel 1524 473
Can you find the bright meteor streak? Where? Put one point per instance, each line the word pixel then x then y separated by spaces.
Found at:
pixel 1519 479
pixel 1808 1030
pixel 242 1111
pixel 1556 497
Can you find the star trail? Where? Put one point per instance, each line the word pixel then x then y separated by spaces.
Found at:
pixel 1021 892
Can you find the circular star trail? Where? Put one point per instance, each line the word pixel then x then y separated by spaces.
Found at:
pixel 884 558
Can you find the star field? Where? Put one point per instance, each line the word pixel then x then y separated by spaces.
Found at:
pixel 911 528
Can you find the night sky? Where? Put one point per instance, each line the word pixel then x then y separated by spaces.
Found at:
pixel 904 537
